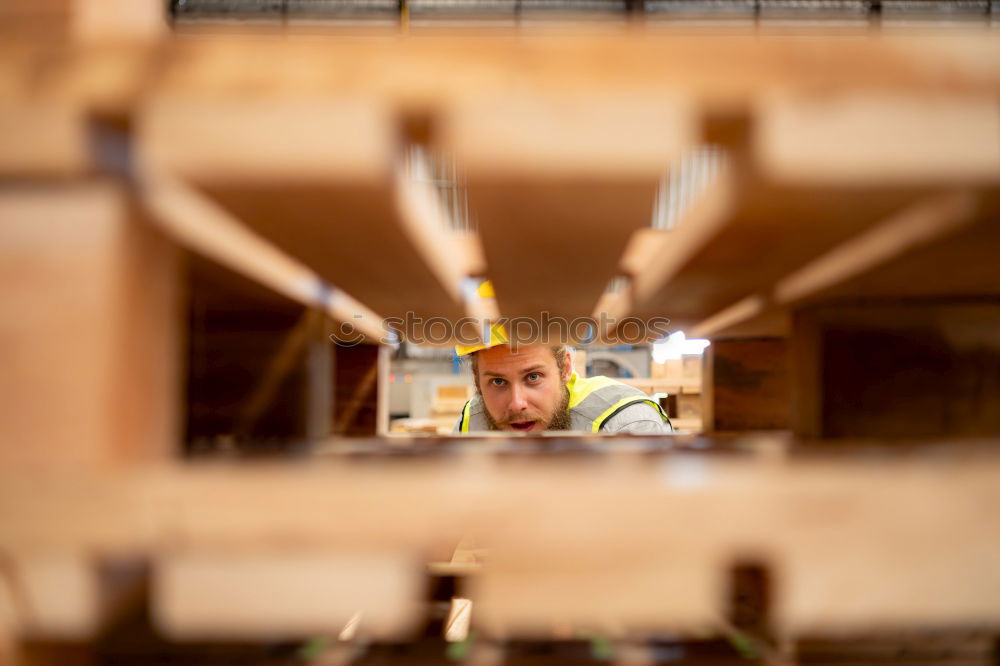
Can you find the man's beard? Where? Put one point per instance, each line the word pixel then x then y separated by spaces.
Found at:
pixel 560 420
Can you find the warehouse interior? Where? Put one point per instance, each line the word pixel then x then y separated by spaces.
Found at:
pixel 242 246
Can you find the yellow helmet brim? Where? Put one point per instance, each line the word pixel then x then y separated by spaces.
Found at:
pixel 497 337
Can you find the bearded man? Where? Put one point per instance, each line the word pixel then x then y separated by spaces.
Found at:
pixel 532 388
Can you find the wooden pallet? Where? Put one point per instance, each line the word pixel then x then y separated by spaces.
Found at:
pixel 619 547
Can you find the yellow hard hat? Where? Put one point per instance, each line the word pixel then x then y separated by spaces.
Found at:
pixel 497 335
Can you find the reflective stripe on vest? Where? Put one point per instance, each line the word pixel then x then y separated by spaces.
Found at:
pixel 628 402
pixel 466 412
pixel 592 401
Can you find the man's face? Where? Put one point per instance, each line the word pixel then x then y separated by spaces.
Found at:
pixel 524 390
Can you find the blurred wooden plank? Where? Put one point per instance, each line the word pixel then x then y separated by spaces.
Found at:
pixel 317 180
pixel 746 385
pixel 734 68
pixel 752 317
pixel 56 20
pixel 319 380
pixel 571 136
pixel 881 589
pixel 119 20
pixel 742 226
pixel 557 533
pixel 562 176
pixel 382 391
pixel 430 72
pixel 43 138
pixel 105 389
pixel 939 250
pixel 60 595
pixel 8 611
pixel 539 584
pixel 472 250
pixel 279 595
pixel 879 138
pixel 919 225
pixel 195 221
pixel 528 225
pixel 936 248
pixel 932 648
pixel 34 19
pixel 263 140
pixel 83 82
pixel 330 228
pixel 68 596
pixel 866 173
pixel 897 370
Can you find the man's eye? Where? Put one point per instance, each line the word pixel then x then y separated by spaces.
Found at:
pixel 534 376
pixel 497 381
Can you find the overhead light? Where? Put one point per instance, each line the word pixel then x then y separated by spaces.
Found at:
pixel 677 345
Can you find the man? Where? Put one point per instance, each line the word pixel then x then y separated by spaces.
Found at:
pixel 533 388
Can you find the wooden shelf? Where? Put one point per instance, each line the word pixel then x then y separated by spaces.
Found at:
pixel 213 527
pixel 304 149
pixel 562 175
pixel 860 169
pixel 936 248
pixel 321 195
pixel 816 196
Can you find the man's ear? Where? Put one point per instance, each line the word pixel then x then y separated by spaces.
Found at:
pixel 474 366
pixel 567 365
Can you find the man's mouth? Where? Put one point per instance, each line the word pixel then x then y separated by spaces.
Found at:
pixel 522 426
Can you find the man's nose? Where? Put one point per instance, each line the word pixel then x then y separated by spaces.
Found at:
pixel 518 403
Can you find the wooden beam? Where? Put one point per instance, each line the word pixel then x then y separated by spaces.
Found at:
pixel 938 252
pixel 65 595
pixel 43 138
pixel 319 380
pixel 896 370
pixel 199 224
pixel 748 382
pixel 78 20
pixel 630 60
pixel 278 595
pixel 317 179
pixel 408 72
pixel 799 165
pixel 657 267
pixel 382 392
pixel 61 595
pixel 119 20
pixel 762 224
pixel 424 222
pixel 105 389
pixel 546 176
pixel 816 523
pixel 920 224
pixel 933 248
pixel 878 138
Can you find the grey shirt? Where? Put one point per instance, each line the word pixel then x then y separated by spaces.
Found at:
pixel 639 419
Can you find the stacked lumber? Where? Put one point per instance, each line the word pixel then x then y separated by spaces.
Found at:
pixel 841 259
pixel 240 551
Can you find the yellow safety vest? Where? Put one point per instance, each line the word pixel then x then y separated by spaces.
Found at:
pixel 592 401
